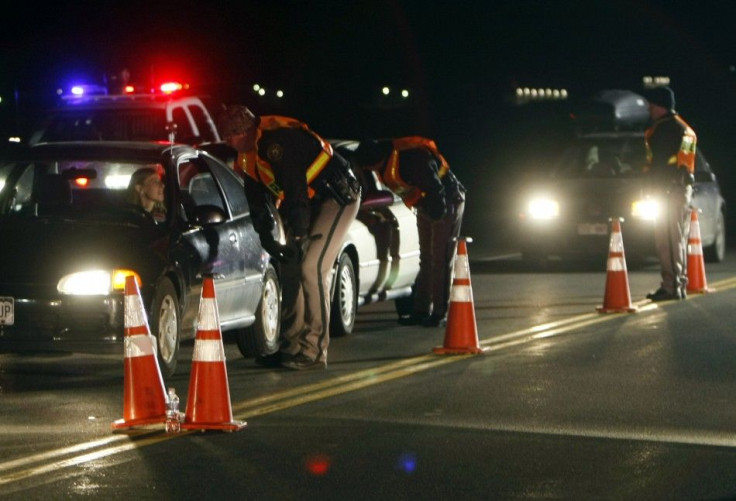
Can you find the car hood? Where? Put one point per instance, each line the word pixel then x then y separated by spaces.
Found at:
pixel 41 250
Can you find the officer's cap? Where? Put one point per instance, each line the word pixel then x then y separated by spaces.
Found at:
pixel 234 120
pixel 661 96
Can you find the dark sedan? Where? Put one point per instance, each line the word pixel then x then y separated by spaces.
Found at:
pixel 599 177
pixel 70 236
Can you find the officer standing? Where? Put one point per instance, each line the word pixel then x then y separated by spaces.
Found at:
pixel 671 145
pixel 317 196
pixel 414 169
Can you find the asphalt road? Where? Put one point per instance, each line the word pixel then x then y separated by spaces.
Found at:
pixel 565 403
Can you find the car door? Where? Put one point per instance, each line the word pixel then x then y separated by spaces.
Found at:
pixel 250 253
pixel 216 247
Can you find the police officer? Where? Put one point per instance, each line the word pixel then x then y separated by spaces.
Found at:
pixel 317 196
pixel 414 169
pixel 670 144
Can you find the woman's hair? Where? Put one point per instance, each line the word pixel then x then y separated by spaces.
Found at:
pixel 137 179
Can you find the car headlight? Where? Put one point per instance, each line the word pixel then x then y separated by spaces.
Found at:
pixel 95 282
pixel 542 208
pixel 646 209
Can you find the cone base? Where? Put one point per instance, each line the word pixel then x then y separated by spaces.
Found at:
pixel 623 309
pixel 703 290
pixel 231 426
pixel 441 350
pixel 123 423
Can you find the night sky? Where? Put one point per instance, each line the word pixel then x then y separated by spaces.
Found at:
pixel 460 59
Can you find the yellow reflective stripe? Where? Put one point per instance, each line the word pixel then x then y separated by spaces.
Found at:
pixel 317 166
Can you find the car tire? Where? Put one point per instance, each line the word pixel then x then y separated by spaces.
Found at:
pixel 345 298
pixel 165 326
pixel 263 337
pixel 716 252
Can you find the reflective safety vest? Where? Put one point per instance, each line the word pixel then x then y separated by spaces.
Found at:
pixel 408 193
pixel 260 169
pixel 685 156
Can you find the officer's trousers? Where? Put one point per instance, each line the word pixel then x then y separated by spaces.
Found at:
pixel 437 247
pixel 670 237
pixel 306 299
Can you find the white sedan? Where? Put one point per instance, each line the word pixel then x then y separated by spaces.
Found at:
pixel 379 259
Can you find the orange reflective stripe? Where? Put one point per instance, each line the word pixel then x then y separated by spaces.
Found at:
pixel 409 194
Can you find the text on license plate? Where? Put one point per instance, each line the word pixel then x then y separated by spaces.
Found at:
pixel 592 229
pixel 7 311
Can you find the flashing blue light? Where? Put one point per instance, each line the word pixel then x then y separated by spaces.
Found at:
pixel 88 89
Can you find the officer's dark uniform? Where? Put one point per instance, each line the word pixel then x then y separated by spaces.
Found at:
pixel 671 145
pixel 318 198
pixel 414 169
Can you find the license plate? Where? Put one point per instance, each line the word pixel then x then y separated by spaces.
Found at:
pixel 592 229
pixel 7 311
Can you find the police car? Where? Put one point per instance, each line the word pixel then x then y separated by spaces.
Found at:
pixel 90 113
pixel 598 177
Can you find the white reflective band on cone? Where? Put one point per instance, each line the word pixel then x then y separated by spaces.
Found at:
pixel 616 264
pixel 695 250
pixel 461 266
pixel 134 313
pixel 617 243
pixel 208 317
pixel 208 350
pixel 461 294
pixel 139 345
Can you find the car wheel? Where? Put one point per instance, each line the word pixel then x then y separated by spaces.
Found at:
pixel 345 299
pixel 262 338
pixel 165 325
pixel 716 252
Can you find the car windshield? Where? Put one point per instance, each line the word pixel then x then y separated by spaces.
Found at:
pixel 83 189
pixel 604 156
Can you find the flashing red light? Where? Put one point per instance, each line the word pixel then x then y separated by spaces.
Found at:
pixel 81 181
pixel 171 87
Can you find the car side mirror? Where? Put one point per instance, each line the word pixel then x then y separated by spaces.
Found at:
pixel 378 198
pixel 207 215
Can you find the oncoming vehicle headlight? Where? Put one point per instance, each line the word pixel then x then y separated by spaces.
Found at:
pixel 543 208
pixel 646 209
pixel 95 282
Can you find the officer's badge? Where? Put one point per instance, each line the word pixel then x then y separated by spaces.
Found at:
pixel 275 152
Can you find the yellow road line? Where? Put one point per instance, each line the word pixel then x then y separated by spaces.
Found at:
pixel 285 399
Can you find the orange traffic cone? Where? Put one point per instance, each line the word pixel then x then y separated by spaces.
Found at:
pixel 617 298
pixel 696 282
pixel 144 397
pixel 208 399
pixel 461 332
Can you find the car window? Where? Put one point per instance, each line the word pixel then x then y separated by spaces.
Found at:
pixel 78 188
pixel 233 186
pixel 205 131
pixel 184 132
pixel 198 186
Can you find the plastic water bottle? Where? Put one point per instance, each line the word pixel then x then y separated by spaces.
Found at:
pixel 173 422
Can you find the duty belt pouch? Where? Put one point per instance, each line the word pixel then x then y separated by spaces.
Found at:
pixel 340 183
